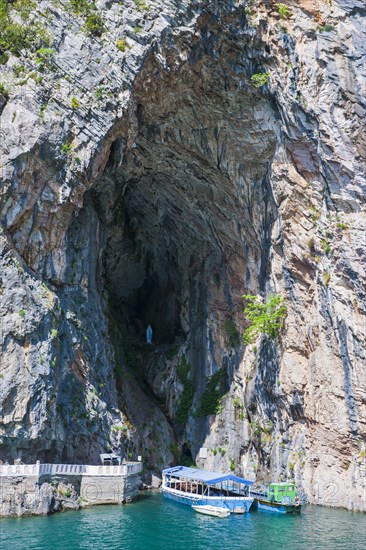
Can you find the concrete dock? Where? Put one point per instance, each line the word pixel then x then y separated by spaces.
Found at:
pixel 27 489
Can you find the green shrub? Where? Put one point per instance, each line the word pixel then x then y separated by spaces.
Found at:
pixel 232 464
pixel 283 11
pixel 21 313
pixel 74 103
pixel 66 493
pixel 82 7
pixel 237 403
pixel 121 44
pixel 43 110
pixel 94 24
pixel 93 20
pixel 54 333
pixel 211 398
pixel 315 213
pixel 186 398
pixel 326 278
pixel 326 246
pixel 342 225
pixel 4 58
pixel 141 4
pixel 44 57
pixel 260 79
pixel 255 427
pixel 19 70
pixel 325 28
pixel 3 91
pixel 123 428
pixel 66 149
pixel 99 93
pixel 232 335
pixel 266 318
pixel 268 428
pixel 18 29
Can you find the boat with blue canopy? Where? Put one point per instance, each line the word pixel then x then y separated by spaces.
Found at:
pixel 196 487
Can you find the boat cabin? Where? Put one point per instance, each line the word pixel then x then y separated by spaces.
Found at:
pixel 205 483
pixel 279 492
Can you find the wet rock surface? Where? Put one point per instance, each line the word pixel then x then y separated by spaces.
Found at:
pixel 157 185
pixel 25 497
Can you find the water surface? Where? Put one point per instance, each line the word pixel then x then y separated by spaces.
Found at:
pixel 154 523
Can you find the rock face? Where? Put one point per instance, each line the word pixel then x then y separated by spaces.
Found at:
pixel 22 496
pixel 33 495
pixel 145 179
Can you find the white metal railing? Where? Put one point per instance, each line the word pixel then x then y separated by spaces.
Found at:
pixel 19 470
pixel 56 469
pixel 122 470
pixel 38 469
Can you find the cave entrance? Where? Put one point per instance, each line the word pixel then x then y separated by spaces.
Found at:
pixel 142 266
pixel 185 202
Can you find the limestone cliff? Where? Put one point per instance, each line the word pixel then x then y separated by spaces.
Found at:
pixel 158 160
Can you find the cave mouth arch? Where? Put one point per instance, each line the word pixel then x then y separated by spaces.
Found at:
pixel 185 200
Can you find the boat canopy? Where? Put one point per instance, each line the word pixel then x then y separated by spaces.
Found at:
pixel 210 478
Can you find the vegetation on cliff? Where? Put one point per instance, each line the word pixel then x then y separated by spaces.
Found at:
pixel 211 398
pixel 266 317
pixel 19 29
pixel 186 399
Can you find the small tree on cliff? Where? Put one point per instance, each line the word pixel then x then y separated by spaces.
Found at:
pixel 266 317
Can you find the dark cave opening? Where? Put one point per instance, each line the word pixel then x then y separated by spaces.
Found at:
pixel 156 304
pixel 143 277
pixel 185 211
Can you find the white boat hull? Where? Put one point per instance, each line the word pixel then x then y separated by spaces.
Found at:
pixel 212 511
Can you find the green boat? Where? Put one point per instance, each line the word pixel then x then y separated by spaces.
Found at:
pixel 280 498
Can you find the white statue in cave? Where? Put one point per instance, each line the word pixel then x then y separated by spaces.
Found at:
pixel 149 334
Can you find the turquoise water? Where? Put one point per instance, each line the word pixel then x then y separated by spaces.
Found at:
pixel 154 523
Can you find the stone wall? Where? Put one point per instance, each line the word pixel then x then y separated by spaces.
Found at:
pixel 33 495
pixel 109 490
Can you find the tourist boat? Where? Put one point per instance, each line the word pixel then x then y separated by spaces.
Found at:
pixel 211 510
pixel 279 498
pixel 196 487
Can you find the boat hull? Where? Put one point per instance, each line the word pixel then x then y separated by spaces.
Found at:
pixel 228 503
pixel 277 507
pixel 213 511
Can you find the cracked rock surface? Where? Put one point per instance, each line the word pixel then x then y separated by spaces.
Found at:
pixel 146 180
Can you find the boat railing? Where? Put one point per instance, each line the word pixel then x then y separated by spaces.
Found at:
pixel 205 496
